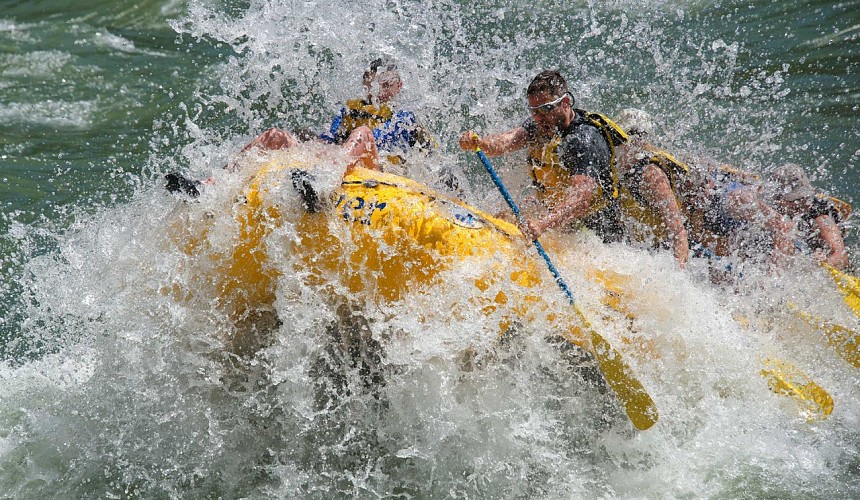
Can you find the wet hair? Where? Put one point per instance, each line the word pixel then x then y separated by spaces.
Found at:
pixel 549 81
pixel 383 63
pixel 789 182
pixel 378 65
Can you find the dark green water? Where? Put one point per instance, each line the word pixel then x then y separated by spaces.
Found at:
pixel 99 99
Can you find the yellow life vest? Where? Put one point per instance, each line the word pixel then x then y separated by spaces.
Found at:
pixel 363 113
pixel 552 179
pixel 633 206
pixel 674 169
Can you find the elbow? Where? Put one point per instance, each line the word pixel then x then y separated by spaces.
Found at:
pixel 839 261
pixel 838 257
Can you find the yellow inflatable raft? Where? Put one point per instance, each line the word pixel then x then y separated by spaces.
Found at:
pixel 382 237
pixel 391 236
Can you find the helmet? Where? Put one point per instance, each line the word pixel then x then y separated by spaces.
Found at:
pixel 635 121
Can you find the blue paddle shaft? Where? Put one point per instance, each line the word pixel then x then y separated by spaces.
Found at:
pixel 511 203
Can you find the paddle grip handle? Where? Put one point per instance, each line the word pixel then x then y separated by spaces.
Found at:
pixel 511 203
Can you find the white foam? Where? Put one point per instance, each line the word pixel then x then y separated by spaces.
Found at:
pixel 105 38
pixel 156 404
pixel 35 64
pixel 62 114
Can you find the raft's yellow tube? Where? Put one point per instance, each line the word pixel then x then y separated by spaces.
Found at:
pixel 380 236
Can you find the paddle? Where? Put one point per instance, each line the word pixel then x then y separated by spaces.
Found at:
pixel 841 338
pixel 848 285
pixel 783 377
pixel 786 379
pixel 638 405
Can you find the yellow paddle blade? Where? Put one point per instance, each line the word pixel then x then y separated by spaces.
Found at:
pixel 841 338
pixel 848 285
pixel 614 295
pixel 637 403
pixel 786 379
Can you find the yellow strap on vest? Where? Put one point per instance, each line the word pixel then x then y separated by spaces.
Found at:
pixel 843 208
pixel 674 169
pixel 360 113
pixel 547 172
pixel 615 136
pixel 740 175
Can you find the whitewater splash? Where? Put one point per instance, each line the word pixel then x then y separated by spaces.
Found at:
pixel 137 393
pixel 122 389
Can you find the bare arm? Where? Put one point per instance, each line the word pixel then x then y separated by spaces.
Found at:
pixel 780 229
pixel 658 193
pixel 831 235
pixel 495 144
pixel 575 205
pixel 360 148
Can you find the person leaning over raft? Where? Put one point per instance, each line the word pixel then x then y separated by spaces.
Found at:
pixel 359 147
pixel 816 215
pixel 365 126
pixel 571 155
pixel 727 216
pixel 359 150
pixel 648 177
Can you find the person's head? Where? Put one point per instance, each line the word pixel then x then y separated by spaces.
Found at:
pixel 550 101
pixel 789 185
pixel 635 122
pixel 382 80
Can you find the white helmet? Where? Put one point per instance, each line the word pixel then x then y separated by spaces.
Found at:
pixel 635 121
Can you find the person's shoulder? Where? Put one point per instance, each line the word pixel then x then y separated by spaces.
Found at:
pixel 584 132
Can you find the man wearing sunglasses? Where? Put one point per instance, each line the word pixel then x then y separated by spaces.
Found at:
pixel 571 159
